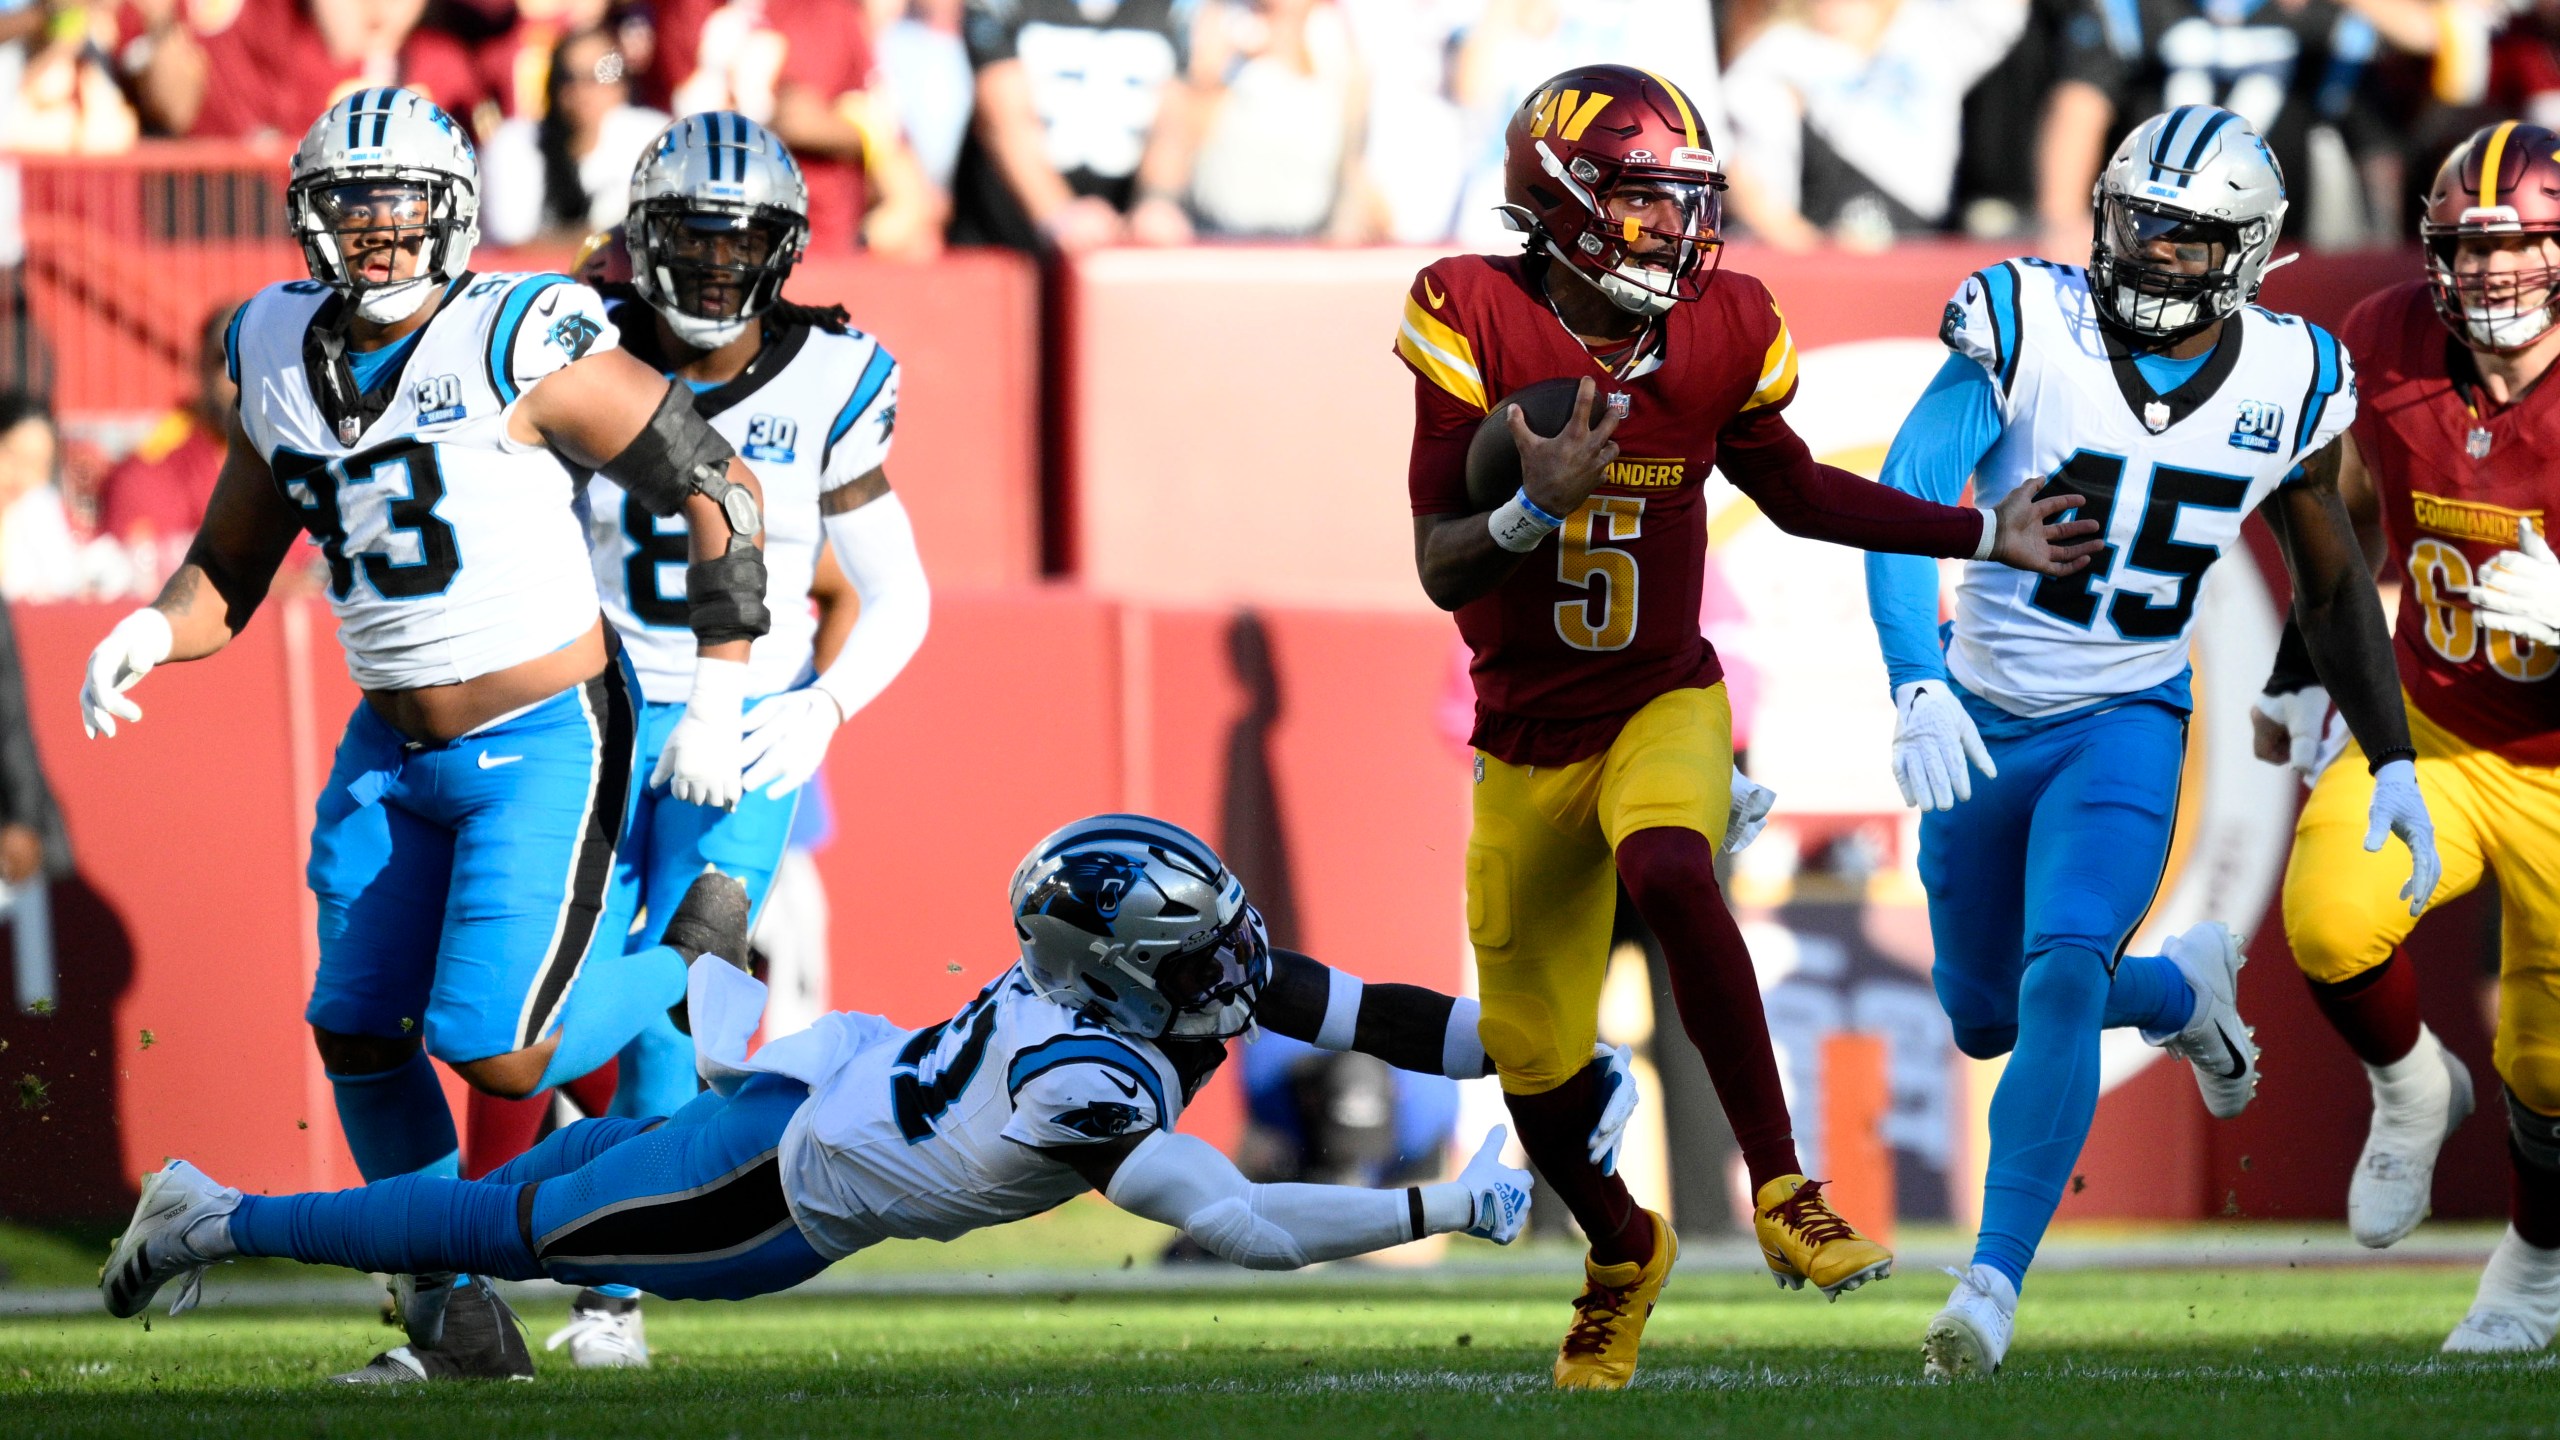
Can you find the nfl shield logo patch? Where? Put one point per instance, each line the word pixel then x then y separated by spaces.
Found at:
pixel 2476 444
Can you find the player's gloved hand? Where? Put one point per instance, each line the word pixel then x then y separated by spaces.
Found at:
pixel 706 753
pixel 2300 731
pixel 139 641
pixel 1750 813
pixel 2398 809
pixel 787 737
pixel 1934 742
pixel 2519 590
pixel 1500 1193
pixel 1617 1104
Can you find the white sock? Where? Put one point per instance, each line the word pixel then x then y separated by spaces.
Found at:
pixel 2410 1093
pixel 2522 1279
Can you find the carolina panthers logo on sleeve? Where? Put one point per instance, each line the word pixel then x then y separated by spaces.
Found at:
pixel 1103 1119
pixel 572 333
pixel 1086 891
pixel 1952 324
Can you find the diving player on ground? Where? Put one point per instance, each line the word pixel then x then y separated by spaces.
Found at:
pixel 1140 959
pixel 2151 385
pixel 1602 733
pixel 2449 472
pixel 421 422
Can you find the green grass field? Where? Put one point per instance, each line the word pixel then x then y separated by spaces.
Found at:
pixel 2242 1352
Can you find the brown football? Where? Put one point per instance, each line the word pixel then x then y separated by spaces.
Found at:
pixel 1493 457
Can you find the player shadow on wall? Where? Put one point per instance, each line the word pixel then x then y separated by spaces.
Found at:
pixel 61 1074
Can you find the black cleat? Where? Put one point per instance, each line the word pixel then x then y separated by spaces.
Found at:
pixel 711 921
pixel 480 1339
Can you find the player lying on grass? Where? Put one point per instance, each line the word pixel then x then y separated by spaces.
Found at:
pixel 1140 959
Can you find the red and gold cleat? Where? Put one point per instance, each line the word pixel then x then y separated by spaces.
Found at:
pixel 1803 1239
pixel 1599 1351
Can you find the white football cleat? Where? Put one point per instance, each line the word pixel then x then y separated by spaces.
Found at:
pixel 1970 1337
pixel 178 1231
pixel 604 1333
pixel 2214 1041
pixel 2518 1306
pixel 2419 1100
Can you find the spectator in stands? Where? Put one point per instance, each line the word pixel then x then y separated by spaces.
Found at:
pixel 1847 115
pixel 1519 42
pixel 251 68
pixel 568 174
pixel 39 557
pixel 805 70
pixel 57 95
pixel 515 64
pixel 1084 126
pixel 153 500
pixel 1415 150
pixel 2287 66
pixel 1279 154
pixel 925 68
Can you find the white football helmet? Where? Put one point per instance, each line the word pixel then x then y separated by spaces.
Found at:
pixel 384 162
pixel 1142 925
pixel 2196 175
pixel 719 215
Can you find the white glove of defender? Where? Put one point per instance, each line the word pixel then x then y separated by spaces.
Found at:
pixel 2518 591
pixel 706 752
pixel 1500 1193
pixel 1750 813
pixel 787 737
pixel 140 641
pixel 1933 739
pixel 2315 732
pixel 2398 809
pixel 1617 1104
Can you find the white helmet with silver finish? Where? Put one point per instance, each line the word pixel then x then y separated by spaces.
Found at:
pixel 2196 176
pixel 719 215
pixel 384 161
pixel 1138 923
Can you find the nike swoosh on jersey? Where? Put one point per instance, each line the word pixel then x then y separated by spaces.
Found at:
pixel 1125 1087
pixel 550 302
pixel 1434 296
pixel 492 762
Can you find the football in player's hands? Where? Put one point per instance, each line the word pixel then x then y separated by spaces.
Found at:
pixel 1493 456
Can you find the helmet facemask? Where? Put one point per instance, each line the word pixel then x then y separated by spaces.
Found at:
pixel 2167 301
pixel 406 224
pixel 1655 236
pixel 710 268
pixel 2500 309
pixel 1216 987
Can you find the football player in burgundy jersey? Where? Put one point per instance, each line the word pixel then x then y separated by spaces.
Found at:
pixel 2450 476
pixel 1602 732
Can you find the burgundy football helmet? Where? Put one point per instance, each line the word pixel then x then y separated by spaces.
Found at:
pixel 1601 131
pixel 2503 181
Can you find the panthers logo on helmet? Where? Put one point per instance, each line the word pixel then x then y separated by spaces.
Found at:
pixel 1086 891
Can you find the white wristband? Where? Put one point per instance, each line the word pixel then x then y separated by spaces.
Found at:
pixel 1519 526
pixel 1990 532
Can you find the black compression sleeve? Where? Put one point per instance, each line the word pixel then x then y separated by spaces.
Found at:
pixel 1293 1003
pixel 2293 669
pixel 1406 1026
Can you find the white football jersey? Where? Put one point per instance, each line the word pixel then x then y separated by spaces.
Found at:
pixel 929 1134
pixel 813 412
pixel 2168 477
pixel 453 550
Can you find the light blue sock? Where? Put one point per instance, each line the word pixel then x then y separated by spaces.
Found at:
pixel 657 1071
pixel 396 1122
pixel 568 1148
pixel 2040 1115
pixel 404 1225
pixel 612 1001
pixel 2151 993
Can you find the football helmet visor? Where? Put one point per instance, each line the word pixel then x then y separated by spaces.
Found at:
pixel 1608 170
pixel 1140 924
pixel 719 215
pixel 384 199
pixel 2187 214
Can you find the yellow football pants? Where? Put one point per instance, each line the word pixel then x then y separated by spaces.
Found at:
pixel 2343 914
pixel 1542 881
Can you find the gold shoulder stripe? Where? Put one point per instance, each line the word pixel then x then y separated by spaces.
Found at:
pixel 1440 354
pixel 1777 370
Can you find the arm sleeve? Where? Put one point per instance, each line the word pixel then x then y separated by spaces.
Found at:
pixel 876 545
pixel 1408 1026
pixel 1765 459
pixel 858 437
pixel 989 29
pixel 1186 1183
pixel 1449 398
pixel 1082 1088
pixel 546 323
pixel 1945 436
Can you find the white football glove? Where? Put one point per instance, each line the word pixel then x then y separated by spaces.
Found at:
pixel 1617 1104
pixel 2519 590
pixel 1750 813
pixel 787 737
pixel 2316 733
pixel 1933 741
pixel 2398 809
pixel 139 641
pixel 1500 1193
pixel 706 752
